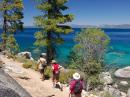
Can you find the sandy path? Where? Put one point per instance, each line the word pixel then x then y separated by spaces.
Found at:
pixel 34 85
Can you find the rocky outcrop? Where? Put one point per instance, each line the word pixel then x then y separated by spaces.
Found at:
pixel 124 83
pixel 128 93
pixel 123 73
pixel 26 54
pixel 113 91
pixel 12 68
pixel 10 88
pixel 106 78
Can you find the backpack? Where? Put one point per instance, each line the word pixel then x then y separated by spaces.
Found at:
pixel 56 68
pixel 78 87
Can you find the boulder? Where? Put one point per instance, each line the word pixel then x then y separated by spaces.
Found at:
pixel 123 94
pixel 123 73
pixel 115 86
pixel 124 83
pixel 84 93
pixel 26 54
pixel 128 93
pixel 13 68
pixel 114 92
pixel 7 92
pixel 106 78
pixel 43 54
pixel 10 88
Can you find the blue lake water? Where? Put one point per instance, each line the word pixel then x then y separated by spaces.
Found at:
pixel 118 53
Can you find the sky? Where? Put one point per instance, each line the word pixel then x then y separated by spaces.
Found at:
pixel 87 12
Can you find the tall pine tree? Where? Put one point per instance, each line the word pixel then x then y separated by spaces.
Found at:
pixel 52 21
pixel 11 15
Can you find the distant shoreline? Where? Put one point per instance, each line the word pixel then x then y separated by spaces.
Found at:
pixel 83 27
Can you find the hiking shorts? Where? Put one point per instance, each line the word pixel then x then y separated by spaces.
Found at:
pixel 56 76
pixel 75 95
pixel 41 71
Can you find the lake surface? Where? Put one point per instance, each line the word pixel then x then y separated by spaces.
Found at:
pixel 118 53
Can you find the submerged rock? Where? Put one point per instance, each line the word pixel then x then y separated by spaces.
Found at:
pixel 10 88
pixel 123 73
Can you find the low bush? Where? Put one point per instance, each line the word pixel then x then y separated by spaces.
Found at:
pixel 10 55
pixel 28 64
pixel 21 59
pixel 66 75
pixel 48 72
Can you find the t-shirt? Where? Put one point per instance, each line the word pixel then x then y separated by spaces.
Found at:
pixel 41 62
pixel 55 68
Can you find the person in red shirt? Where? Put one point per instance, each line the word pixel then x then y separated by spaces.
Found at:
pixel 56 73
pixel 76 86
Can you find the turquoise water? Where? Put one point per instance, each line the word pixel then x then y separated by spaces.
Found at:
pixel 118 51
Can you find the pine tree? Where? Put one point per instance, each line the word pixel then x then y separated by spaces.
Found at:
pixel 11 15
pixel 52 21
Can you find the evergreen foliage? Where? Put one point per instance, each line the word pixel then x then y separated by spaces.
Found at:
pixel 11 16
pixel 88 54
pixel 52 24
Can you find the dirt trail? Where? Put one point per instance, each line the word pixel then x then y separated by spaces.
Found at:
pixel 34 85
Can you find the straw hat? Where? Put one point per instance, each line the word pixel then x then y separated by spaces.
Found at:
pixel 76 76
pixel 53 61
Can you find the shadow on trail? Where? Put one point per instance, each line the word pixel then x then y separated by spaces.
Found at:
pixel 50 95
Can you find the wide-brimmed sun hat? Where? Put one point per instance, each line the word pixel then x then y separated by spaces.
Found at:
pixel 53 61
pixel 76 76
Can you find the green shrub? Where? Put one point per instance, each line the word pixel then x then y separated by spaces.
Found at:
pixel 48 72
pixel 94 82
pixel 12 56
pixel 34 65
pixel 28 64
pixel 66 75
pixel 21 59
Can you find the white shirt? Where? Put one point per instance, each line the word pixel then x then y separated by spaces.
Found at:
pixel 41 62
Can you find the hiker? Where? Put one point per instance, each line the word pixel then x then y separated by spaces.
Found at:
pixel 76 86
pixel 56 73
pixel 41 66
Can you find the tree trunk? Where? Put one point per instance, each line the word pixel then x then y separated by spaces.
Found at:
pixel 4 31
pixel 50 48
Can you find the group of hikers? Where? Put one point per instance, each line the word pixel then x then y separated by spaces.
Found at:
pixel 75 85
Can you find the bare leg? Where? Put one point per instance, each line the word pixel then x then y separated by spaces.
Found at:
pixel 43 77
